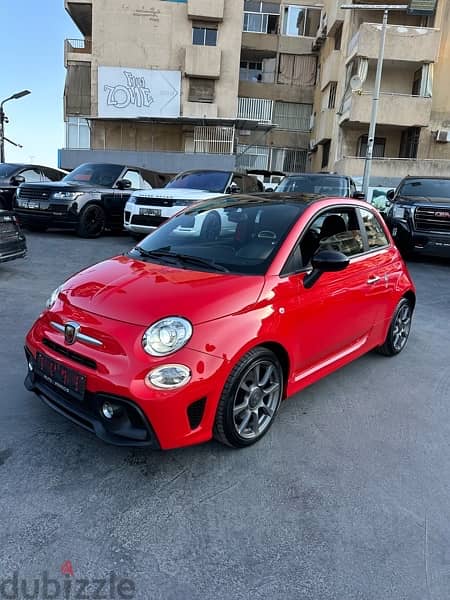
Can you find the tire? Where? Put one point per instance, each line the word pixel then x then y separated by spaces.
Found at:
pixel 210 230
pixel 37 227
pixel 92 221
pixel 250 399
pixel 399 329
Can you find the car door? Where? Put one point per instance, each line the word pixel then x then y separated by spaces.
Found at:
pixel 333 318
pixel 114 200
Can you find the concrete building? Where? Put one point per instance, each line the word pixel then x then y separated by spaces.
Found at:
pixel 413 123
pixel 178 84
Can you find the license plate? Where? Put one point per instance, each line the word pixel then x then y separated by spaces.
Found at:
pixel 33 204
pixel 66 379
pixel 150 212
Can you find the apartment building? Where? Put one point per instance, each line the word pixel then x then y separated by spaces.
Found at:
pixel 413 121
pixel 178 84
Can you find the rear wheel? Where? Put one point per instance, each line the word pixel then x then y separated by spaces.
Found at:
pixel 399 329
pixel 250 399
pixel 92 221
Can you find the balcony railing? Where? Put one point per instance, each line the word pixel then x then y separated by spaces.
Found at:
pixel 255 109
pixel 287 160
pixel 82 46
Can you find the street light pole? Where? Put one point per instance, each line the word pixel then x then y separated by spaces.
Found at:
pixel 15 96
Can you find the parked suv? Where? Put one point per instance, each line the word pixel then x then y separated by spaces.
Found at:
pixel 147 209
pixel 12 175
pixel 89 199
pixel 419 215
pixel 320 184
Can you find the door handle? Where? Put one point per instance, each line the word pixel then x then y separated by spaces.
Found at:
pixel 373 279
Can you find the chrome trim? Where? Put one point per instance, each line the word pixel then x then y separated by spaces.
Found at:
pixel 80 336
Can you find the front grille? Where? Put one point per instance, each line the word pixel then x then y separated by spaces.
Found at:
pixel 153 201
pixel 148 221
pixel 79 358
pixel 35 193
pixel 127 216
pixel 432 219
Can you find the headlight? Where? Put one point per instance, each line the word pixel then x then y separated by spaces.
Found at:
pixel 131 200
pixel 54 296
pixel 400 212
pixel 168 377
pixel 166 336
pixel 65 195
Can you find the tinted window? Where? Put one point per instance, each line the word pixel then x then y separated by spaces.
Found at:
pixel 209 181
pixel 95 174
pixel 31 174
pixel 241 237
pixel 429 188
pixel 7 170
pixel 375 233
pixel 51 174
pixel 315 184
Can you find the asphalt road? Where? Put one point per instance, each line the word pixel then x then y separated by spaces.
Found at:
pixel 347 497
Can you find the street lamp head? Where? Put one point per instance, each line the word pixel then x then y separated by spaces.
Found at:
pixel 20 94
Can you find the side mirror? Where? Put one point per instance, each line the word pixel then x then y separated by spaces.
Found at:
pixel 390 195
pixel 325 261
pixel 233 189
pixel 17 179
pixel 359 195
pixel 124 184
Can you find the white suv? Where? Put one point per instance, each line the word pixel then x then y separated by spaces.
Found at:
pixel 147 209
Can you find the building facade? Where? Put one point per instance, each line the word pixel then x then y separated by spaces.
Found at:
pixel 177 84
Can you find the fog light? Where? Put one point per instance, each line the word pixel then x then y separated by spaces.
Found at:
pixel 109 411
pixel 168 377
pixel 30 366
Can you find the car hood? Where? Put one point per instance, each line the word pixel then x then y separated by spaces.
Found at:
pixel 413 200
pixel 176 193
pixel 140 293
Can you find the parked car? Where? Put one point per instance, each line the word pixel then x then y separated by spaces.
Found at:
pixel 419 215
pixel 12 240
pixel 269 179
pixel 324 184
pixel 185 338
pixel 12 175
pixel 89 199
pixel 147 209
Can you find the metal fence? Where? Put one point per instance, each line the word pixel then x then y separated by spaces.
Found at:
pixel 214 139
pixel 257 109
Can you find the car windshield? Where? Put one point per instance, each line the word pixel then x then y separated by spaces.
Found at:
pixel 95 174
pixel 209 181
pixel 315 184
pixel 223 235
pixel 428 188
pixel 7 170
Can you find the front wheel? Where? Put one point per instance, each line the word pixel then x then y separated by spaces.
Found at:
pixel 92 221
pixel 399 329
pixel 250 399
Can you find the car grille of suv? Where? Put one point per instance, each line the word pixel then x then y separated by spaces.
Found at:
pixel 153 201
pixel 148 221
pixel 432 219
pixel 40 193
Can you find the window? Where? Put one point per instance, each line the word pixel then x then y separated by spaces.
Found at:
pixel 375 234
pixel 301 21
pixel 51 174
pixel 409 142
pixel 332 95
pixel 378 147
pixel 297 69
pixel 135 179
pixel 292 116
pixel 31 175
pixel 204 36
pixel 417 82
pixel 338 38
pixel 78 133
pixel 201 90
pixel 325 153
pixel 250 70
pixel 261 17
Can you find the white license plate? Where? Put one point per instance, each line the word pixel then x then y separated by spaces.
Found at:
pixel 150 212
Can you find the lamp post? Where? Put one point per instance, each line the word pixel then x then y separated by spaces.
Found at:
pixel 376 90
pixel 15 96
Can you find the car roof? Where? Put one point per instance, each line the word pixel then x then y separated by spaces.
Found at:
pixel 22 165
pixel 438 177
pixel 318 175
pixel 292 198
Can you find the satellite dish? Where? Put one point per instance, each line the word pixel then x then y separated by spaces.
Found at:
pixel 356 83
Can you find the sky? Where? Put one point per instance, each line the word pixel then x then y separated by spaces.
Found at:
pixel 32 58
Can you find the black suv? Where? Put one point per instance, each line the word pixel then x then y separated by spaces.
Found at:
pixel 419 215
pixel 320 184
pixel 89 199
pixel 13 174
pixel 12 240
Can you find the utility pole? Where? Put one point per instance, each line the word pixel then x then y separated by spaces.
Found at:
pixel 3 120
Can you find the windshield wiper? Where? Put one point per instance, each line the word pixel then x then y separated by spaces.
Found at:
pixel 184 258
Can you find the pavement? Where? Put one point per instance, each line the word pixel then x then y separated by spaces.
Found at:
pixel 346 498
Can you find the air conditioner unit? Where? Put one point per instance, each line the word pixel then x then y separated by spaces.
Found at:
pixel 443 136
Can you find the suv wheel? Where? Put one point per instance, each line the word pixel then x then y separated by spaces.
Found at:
pixel 92 221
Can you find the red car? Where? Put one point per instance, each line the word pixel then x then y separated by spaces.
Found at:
pixel 201 331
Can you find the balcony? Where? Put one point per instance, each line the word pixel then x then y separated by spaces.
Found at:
pixel 401 110
pixel 206 10
pixel 77 50
pixel 255 109
pixel 393 167
pixel 255 41
pixel 412 44
pixel 324 125
pixel 200 110
pixel 330 69
pixel 202 61
pixel 80 12
pixel 335 17
pixel 277 91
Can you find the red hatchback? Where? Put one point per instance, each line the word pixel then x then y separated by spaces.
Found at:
pixel 204 327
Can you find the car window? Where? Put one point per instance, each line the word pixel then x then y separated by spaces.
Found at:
pixel 135 179
pixel 51 174
pixel 31 175
pixel 209 181
pixel 327 185
pixel 252 184
pixel 104 175
pixel 375 233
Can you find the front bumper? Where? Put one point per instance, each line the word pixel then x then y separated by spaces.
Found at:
pixel 409 240
pixel 13 249
pixel 136 221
